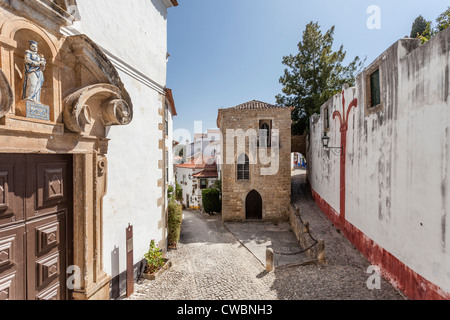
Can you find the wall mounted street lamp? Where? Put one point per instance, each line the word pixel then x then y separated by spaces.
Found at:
pixel 325 142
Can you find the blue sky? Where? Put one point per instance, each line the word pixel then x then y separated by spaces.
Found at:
pixel 227 52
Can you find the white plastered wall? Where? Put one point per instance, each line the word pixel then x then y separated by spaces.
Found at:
pixel 134 35
pixel 398 159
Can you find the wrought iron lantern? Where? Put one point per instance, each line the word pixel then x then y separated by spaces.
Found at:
pixel 326 141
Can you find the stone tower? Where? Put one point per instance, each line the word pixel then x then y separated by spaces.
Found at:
pixel 256 175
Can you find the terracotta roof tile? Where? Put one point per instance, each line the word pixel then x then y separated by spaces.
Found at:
pixel 252 105
pixel 199 163
pixel 206 174
pixel 255 104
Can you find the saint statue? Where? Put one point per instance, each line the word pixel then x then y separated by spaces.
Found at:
pixel 34 75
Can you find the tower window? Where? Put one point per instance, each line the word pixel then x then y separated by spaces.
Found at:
pixel 243 167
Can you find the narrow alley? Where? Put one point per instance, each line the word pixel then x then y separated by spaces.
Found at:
pixel 210 264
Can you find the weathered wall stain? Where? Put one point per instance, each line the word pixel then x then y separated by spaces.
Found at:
pixel 444 184
pixel 446 84
pixel 397 187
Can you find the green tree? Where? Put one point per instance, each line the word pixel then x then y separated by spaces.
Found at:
pixel 314 75
pixel 174 221
pixel 170 193
pixel 211 201
pixel 419 26
pixel 443 22
pixel 428 33
pixel 178 192
pixel 218 185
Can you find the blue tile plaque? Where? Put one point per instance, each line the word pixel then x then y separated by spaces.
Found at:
pixel 38 111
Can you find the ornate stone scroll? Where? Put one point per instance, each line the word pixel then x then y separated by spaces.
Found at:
pixel 114 109
pixel 6 95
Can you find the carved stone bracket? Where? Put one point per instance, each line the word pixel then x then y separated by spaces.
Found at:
pixel 102 165
pixel 6 95
pixel 114 109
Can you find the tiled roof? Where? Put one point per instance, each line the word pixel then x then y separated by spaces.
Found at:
pixel 206 174
pixel 255 104
pixel 199 163
pixel 169 97
pixel 252 105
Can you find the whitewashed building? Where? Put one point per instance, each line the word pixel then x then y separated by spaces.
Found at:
pixel 384 178
pixel 138 155
pixel 97 143
pixel 206 144
pixel 194 176
pixel 201 167
pixel 298 161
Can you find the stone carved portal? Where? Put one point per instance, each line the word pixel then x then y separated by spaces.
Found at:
pixel 85 95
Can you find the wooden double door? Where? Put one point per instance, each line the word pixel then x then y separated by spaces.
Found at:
pixel 35 226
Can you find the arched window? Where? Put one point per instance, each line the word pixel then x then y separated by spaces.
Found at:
pixel 243 167
pixel 265 132
pixel 264 137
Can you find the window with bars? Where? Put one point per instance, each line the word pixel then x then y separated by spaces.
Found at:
pixel 203 183
pixel 243 167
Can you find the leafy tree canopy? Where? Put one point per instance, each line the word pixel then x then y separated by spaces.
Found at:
pixel 419 26
pixel 442 22
pixel 314 75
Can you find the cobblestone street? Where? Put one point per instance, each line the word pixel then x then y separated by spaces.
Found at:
pixel 210 264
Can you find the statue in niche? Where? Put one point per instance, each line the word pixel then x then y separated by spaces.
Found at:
pixel 34 75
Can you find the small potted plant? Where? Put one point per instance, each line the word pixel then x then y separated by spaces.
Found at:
pixel 156 263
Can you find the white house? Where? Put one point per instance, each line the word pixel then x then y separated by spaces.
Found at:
pixel 206 144
pixel 139 161
pixel 170 112
pixel 194 176
pixel 97 143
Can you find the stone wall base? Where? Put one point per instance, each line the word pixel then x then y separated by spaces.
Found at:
pixel 396 272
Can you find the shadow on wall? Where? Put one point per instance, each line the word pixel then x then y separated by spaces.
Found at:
pixel 344 275
pixel 118 283
pixel 159 5
pixel 115 268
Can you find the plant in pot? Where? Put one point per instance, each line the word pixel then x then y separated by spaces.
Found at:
pixel 155 261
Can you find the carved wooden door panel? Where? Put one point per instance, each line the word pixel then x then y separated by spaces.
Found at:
pixel 12 228
pixel 36 243
pixel 48 208
pixel 12 263
pixel 46 263
pixel 12 189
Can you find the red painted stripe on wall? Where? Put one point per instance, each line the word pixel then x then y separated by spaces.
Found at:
pixel 396 272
